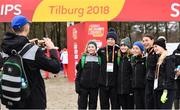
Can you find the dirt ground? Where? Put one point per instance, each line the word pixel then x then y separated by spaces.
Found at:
pixel 60 93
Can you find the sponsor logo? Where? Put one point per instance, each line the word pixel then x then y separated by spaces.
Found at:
pixel 96 30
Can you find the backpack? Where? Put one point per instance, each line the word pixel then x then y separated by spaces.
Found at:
pixel 83 59
pixel 14 85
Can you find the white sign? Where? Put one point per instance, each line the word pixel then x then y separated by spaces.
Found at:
pixel 171 47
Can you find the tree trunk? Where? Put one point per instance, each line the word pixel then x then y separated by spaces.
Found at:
pixel 58 35
pixel 129 29
pixel 44 29
pixel 157 29
pixel 166 31
pixel 5 25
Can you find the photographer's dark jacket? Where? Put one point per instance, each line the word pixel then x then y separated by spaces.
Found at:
pixel 87 76
pixel 151 61
pixel 108 78
pixel 33 60
pixel 138 72
pixel 124 77
pixel 167 74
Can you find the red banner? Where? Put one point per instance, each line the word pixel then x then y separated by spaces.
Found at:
pixel 150 10
pixel 77 38
pixel 10 8
pixel 88 10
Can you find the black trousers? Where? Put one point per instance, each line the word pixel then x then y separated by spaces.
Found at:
pixel 177 104
pixel 149 91
pixel 125 101
pixel 177 95
pixel 157 99
pixel 139 98
pixel 107 95
pixel 87 97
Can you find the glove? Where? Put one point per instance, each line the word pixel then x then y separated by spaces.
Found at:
pixel 164 96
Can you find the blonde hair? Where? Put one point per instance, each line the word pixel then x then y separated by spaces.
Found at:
pixel 160 61
pixel 128 53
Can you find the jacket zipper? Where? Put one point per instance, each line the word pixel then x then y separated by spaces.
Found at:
pixel 106 78
pixel 135 75
pixel 91 72
pixel 122 73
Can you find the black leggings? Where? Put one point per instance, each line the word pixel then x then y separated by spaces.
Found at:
pixel 125 101
pixel 108 94
pixel 149 92
pixel 87 97
pixel 139 98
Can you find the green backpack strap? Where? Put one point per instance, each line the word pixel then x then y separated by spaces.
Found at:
pixel 83 59
pixel 99 60
pixel 118 57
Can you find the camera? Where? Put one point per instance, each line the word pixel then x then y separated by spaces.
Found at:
pixel 38 42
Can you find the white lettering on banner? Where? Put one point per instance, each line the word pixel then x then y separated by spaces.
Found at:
pixel 2 9
pixel 75 54
pixel 15 9
pixel 8 8
pixel 175 7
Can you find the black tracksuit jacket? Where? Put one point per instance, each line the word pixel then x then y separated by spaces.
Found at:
pixel 138 72
pixel 37 98
pixel 87 77
pixel 124 77
pixel 167 74
pixel 151 61
pixel 107 79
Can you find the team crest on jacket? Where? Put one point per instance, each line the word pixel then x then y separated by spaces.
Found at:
pixel 9 70
pixel 103 51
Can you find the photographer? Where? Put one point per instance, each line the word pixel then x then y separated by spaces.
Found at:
pixel 33 61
